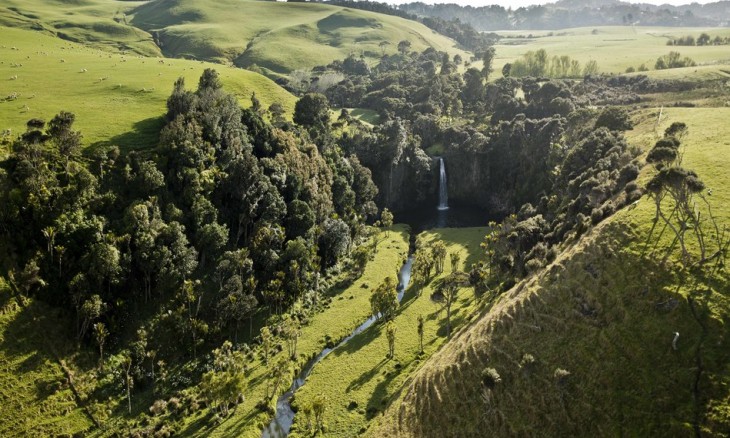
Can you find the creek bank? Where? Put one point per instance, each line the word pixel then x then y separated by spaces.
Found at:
pixel 284 418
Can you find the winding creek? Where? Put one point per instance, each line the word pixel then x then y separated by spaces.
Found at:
pixel 281 424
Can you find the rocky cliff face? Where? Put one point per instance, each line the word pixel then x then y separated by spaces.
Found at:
pixel 409 181
pixel 471 181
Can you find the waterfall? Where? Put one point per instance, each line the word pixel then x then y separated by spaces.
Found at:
pixel 443 190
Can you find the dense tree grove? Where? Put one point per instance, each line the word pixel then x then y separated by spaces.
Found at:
pixel 229 214
pixel 527 149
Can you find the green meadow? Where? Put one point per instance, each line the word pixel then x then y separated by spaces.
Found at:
pixel 96 23
pixel 614 48
pixel 358 380
pixel 272 37
pixel 35 397
pixel 278 37
pixel 118 99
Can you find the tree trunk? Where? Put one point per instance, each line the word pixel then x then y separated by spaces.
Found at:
pixel 129 395
pixel 448 319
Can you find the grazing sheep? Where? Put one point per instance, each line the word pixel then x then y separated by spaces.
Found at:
pixel 14 77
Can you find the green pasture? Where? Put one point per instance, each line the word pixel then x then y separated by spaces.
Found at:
pixel 614 48
pixel 278 36
pixel 118 99
pixel 358 380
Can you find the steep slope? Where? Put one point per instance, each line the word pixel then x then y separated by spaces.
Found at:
pixel 43 75
pixel 277 36
pixel 35 393
pixel 586 346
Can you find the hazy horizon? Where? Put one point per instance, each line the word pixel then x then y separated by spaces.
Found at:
pixel 524 3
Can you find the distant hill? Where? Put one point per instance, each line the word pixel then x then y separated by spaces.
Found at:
pixel 577 13
pixel 277 37
pixel 274 38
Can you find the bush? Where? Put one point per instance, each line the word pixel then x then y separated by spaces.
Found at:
pixel 561 376
pixel 490 378
pixel 533 265
pixel 173 404
pixel 158 407
pixel 676 130
pixel 673 60
pixel 596 215
pixel 527 360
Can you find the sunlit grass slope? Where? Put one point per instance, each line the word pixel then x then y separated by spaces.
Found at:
pixel 118 99
pixel 35 398
pixel 585 347
pixel 278 36
pixel 100 23
pixel 358 380
pixel 615 48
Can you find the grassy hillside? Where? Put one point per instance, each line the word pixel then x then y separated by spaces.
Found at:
pixel 98 23
pixel 35 397
pixel 118 99
pixel 585 347
pixel 615 48
pixel 358 380
pixel 277 36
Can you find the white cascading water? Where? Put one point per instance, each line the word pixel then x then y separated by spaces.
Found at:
pixel 443 191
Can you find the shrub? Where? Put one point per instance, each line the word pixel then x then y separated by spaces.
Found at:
pixel 490 378
pixel 627 174
pixel 173 404
pixel 673 60
pixel 527 360
pixel 533 265
pixel 158 407
pixel 676 130
pixel 596 215
pixel 561 376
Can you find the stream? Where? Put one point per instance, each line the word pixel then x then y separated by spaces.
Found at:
pixel 280 425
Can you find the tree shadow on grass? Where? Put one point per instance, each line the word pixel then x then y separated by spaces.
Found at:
pixel 366 376
pixel 24 332
pixel 379 398
pixel 145 134
pixel 360 340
